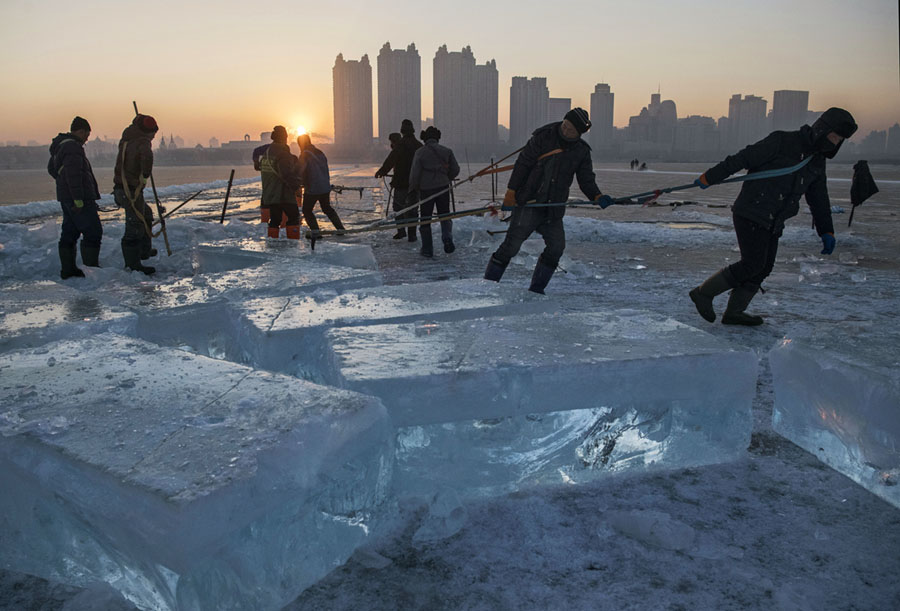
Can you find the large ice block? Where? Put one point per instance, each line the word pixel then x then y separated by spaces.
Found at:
pixel 35 313
pixel 842 403
pixel 287 334
pixel 184 482
pixel 224 255
pixel 195 313
pixel 492 404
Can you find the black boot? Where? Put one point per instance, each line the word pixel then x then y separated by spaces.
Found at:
pixel 132 255
pixel 68 269
pixel 738 301
pixel 411 234
pixel 447 236
pixel 427 244
pixel 146 254
pixel 401 233
pixel 541 276
pixel 702 296
pixel 90 255
pixel 494 270
pixel 449 246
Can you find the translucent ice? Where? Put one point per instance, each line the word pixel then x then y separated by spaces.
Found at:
pixel 182 481
pixel 36 313
pixel 494 404
pixel 842 403
pixel 239 253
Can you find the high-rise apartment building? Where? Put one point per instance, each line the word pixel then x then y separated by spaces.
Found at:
pixel 352 82
pixel 557 108
pixel 602 102
pixel 789 109
pixel 746 121
pixel 399 89
pixel 465 101
pixel 528 103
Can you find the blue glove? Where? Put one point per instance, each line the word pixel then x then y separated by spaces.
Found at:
pixel 829 243
pixel 604 201
pixel 701 182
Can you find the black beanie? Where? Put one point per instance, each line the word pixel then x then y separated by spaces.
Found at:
pixel 279 134
pixel 79 123
pixel 579 118
pixel 431 133
pixel 394 137
pixel 406 127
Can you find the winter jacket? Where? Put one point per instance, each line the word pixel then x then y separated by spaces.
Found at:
pixel 433 167
pixel 280 175
pixel 70 167
pixel 400 160
pixel 257 153
pixel 769 202
pixel 136 153
pixel 540 175
pixel 314 171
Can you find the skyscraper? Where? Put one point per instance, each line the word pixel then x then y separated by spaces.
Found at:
pixel 352 104
pixel 465 100
pixel 557 108
pixel 789 109
pixel 602 102
pixel 656 124
pixel 746 120
pixel 528 102
pixel 399 89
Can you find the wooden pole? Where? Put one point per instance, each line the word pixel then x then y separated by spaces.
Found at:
pixel 227 193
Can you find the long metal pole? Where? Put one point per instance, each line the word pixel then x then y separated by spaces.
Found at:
pixel 227 193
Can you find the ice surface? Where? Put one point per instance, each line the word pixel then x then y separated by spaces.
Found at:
pixel 842 403
pixel 493 404
pixel 182 481
pixel 237 253
pixel 287 334
pixel 36 313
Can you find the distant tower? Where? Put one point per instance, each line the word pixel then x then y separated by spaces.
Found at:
pixel 399 88
pixel 352 104
pixel 746 120
pixel 162 144
pixel 558 107
pixel 172 144
pixel 528 104
pixel 465 101
pixel 789 109
pixel 602 103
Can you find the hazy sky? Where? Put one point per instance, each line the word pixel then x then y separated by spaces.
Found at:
pixel 229 67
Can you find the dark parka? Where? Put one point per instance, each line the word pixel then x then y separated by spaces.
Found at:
pixel 314 171
pixel 136 151
pixel 547 179
pixel 771 201
pixel 280 175
pixel 70 167
pixel 400 160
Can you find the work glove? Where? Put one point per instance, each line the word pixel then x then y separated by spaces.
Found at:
pixel 79 204
pixel 509 200
pixel 702 182
pixel 378 174
pixel 829 243
pixel 604 201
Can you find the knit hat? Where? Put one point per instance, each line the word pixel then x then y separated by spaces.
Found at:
pixel 835 120
pixel 431 133
pixel 279 134
pixel 146 123
pixel 406 127
pixel 79 123
pixel 579 118
pixel 394 137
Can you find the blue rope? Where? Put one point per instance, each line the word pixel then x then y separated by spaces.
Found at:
pixel 755 176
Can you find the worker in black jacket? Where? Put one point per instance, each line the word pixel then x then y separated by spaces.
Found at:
pixel 400 160
pixel 762 207
pixel 554 156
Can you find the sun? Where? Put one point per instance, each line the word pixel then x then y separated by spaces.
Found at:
pixel 300 130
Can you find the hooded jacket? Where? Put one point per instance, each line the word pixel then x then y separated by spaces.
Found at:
pixel 433 167
pixel 136 154
pixel 70 167
pixel 400 160
pixel 314 171
pixel 540 175
pixel 280 176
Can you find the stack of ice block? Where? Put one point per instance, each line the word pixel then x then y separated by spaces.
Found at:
pixel 842 403
pixel 184 482
pixel 226 255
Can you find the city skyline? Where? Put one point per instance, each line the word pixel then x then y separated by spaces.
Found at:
pixel 207 76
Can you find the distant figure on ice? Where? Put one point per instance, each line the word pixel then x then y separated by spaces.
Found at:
pixel 400 160
pixel 553 157
pixel 762 207
pixel 643 166
pixel 134 164
pixel 280 182
pixel 77 192
pixel 316 184
pixel 433 168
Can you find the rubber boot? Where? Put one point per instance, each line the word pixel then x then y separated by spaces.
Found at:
pixel 67 268
pixel 132 255
pixel 292 232
pixel 149 253
pixel 702 296
pixel 738 301
pixel 541 276
pixel 494 270
pixel 447 236
pixel 411 234
pixel 147 249
pixel 90 255
pixel 401 233
pixel 273 232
